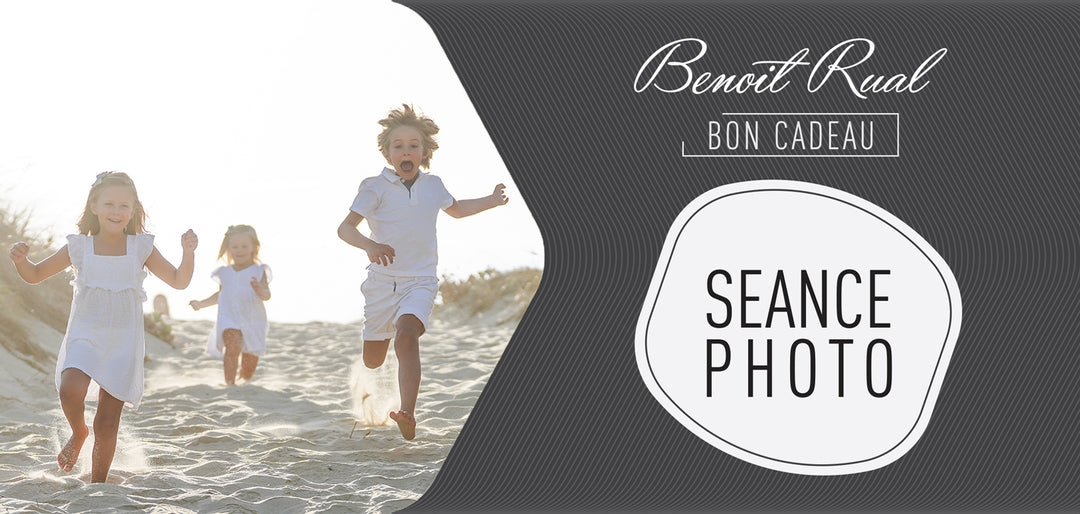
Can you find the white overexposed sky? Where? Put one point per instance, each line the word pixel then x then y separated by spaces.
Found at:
pixel 256 112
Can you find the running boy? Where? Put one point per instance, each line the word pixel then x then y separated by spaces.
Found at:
pixel 401 205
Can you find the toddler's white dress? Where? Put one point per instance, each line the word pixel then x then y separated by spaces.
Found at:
pixel 240 308
pixel 104 337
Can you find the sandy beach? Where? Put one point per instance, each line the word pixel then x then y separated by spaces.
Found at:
pixel 308 434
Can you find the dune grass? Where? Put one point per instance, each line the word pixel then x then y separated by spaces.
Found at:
pixel 48 302
pixel 508 292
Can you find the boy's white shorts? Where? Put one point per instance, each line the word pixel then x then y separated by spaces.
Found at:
pixel 387 298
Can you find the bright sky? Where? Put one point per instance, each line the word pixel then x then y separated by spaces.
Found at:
pixel 262 113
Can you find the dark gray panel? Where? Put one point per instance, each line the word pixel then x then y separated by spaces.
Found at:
pixel 987 174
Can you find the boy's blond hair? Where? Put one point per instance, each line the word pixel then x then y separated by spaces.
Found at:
pixel 407 116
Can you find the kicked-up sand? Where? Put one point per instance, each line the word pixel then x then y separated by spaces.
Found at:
pixel 309 433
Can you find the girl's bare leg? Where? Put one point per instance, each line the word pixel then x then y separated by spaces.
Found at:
pixel 233 341
pixel 407 349
pixel 73 384
pixel 247 365
pixel 106 425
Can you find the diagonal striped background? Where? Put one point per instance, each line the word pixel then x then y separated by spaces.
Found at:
pixel 987 174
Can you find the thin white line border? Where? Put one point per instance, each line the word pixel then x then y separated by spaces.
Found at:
pixel 897 154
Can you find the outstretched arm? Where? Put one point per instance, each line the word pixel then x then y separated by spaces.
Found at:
pixel 34 273
pixel 178 278
pixel 462 208
pixel 202 304
pixel 377 252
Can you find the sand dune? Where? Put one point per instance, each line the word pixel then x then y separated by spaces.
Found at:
pixel 289 441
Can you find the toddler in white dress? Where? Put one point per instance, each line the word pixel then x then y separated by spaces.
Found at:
pixel 241 327
pixel 103 348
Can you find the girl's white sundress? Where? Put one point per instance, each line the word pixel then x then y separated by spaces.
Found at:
pixel 240 308
pixel 104 337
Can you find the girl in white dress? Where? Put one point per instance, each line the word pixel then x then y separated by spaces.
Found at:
pixel 104 345
pixel 240 331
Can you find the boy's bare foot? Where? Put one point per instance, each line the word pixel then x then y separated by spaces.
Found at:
pixel 406 423
pixel 69 455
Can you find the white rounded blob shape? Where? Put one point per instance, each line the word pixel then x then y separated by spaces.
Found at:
pixel 798 327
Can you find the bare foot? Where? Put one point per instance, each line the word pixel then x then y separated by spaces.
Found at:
pixel 69 455
pixel 406 423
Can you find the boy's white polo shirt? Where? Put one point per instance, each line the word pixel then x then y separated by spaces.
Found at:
pixel 404 218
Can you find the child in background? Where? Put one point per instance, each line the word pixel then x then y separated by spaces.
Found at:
pixel 401 205
pixel 104 343
pixel 240 331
